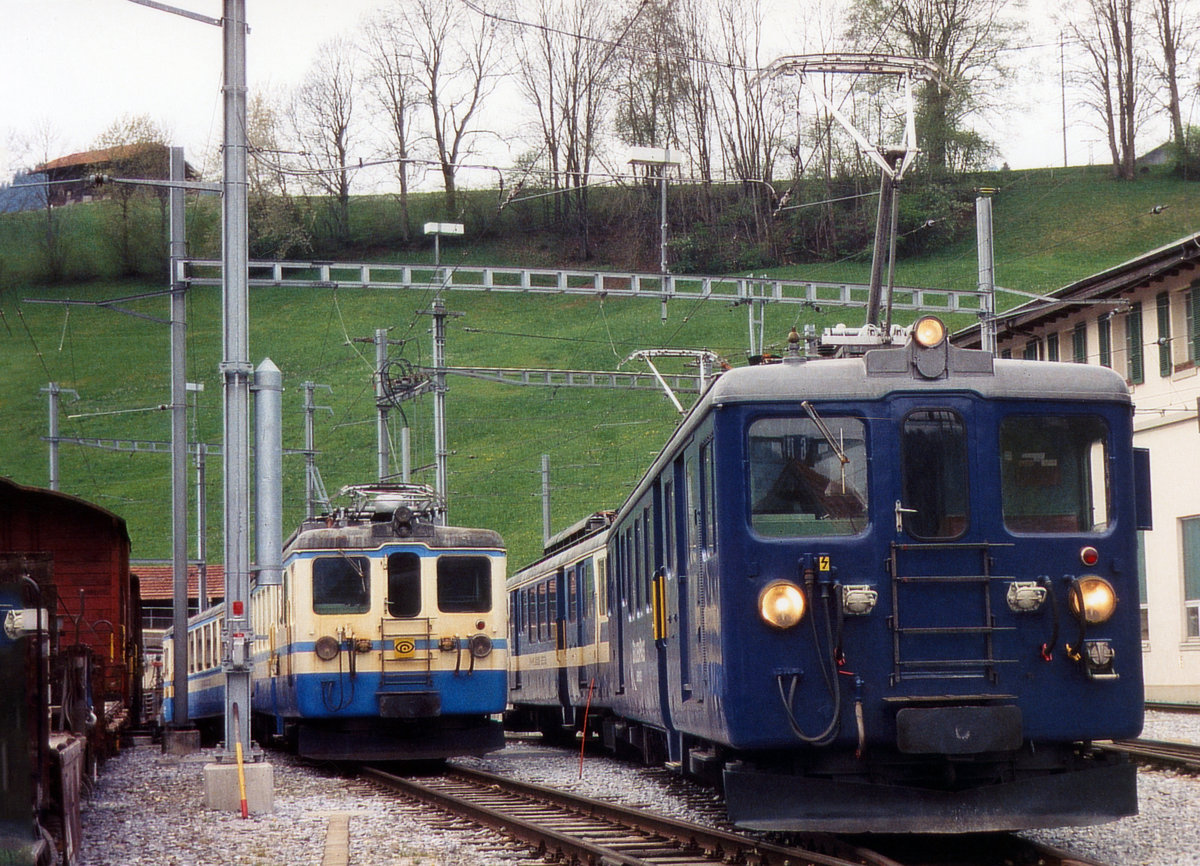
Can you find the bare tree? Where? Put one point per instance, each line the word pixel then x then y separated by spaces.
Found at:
pixel 566 80
pixel 39 146
pixel 1107 30
pixel 1174 42
pixel 751 116
pixel 392 78
pixel 324 124
pixel 457 58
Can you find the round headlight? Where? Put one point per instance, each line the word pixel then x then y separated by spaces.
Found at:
pixel 481 645
pixel 781 604
pixel 327 648
pixel 1097 598
pixel 929 331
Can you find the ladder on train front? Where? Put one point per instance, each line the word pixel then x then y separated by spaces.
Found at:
pixel 407 653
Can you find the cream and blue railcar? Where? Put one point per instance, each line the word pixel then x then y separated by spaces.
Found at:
pixel 386 638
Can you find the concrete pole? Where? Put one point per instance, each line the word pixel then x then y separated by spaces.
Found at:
pixel 179 492
pixel 268 471
pixel 236 371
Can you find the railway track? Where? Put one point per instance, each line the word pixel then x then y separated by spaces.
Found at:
pixel 567 828
pixel 1184 757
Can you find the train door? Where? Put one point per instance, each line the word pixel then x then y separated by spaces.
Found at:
pixel 619 588
pixel 941 563
pixel 693 589
pixel 516 645
pixel 585 624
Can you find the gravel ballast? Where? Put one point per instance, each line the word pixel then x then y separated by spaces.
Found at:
pixel 148 808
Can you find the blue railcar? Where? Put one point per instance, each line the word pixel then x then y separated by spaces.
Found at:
pixel 882 593
pixel 385 641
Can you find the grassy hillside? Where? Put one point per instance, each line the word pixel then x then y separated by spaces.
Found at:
pixel 1052 227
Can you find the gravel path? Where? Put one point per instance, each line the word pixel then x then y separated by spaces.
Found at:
pixel 147 808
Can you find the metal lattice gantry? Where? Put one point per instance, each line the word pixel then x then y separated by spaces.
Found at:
pixel 605 284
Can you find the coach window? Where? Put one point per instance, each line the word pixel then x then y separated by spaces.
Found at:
pixel 933 466
pixel 799 484
pixel 404 584
pixel 1053 474
pixel 341 584
pixel 464 584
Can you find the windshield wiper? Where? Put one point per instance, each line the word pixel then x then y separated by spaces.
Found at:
pixel 825 431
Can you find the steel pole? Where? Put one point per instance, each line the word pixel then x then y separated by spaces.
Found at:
pixel 179 492
pixel 268 473
pixel 53 391
pixel 439 403
pixel 987 274
pixel 381 419
pixel 236 371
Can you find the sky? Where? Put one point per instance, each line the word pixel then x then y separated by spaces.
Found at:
pixel 79 65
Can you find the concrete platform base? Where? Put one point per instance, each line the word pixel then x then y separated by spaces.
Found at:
pixel 180 741
pixel 221 790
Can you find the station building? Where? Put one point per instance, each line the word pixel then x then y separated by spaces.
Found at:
pixel 1142 319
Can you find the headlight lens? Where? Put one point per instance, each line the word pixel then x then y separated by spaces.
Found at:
pixel 781 604
pixel 481 645
pixel 327 648
pixel 1097 598
pixel 929 331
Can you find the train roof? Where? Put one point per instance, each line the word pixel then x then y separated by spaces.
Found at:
pixel 885 371
pixel 334 533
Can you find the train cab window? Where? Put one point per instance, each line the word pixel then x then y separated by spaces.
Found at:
pixel 464 584
pixel 799 484
pixel 341 584
pixel 403 584
pixel 1053 473
pixel 933 465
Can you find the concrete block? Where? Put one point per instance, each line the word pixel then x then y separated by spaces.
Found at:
pixel 221 790
pixel 180 741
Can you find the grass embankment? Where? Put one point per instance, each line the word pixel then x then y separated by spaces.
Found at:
pixel 1051 228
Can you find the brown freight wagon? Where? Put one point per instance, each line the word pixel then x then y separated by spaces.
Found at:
pixel 96 604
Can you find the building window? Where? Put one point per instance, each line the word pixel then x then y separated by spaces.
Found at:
pixel 1104 329
pixel 1163 305
pixel 1031 351
pixel 1190 536
pixel 1193 324
pixel 1052 347
pixel 1133 345
pixel 1079 342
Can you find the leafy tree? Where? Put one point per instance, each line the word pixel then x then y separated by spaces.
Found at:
pixel 135 147
pixel 968 40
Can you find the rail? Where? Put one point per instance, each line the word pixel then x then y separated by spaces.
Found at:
pixel 567 828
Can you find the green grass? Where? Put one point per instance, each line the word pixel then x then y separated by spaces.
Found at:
pixel 1052 227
